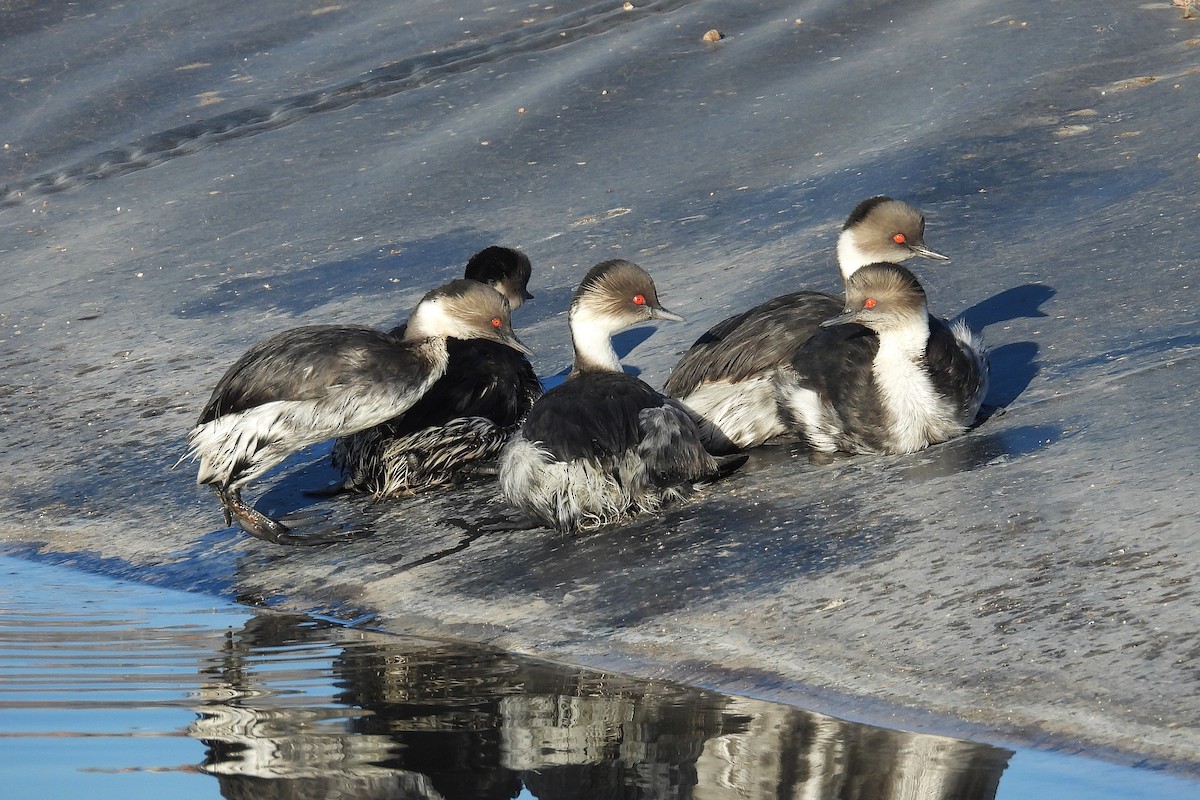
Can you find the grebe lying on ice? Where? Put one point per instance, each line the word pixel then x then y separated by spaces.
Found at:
pixel 603 445
pixel 727 377
pixel 307 385
pixel 465 418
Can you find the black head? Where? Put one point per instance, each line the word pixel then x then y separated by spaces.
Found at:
pixel 504 269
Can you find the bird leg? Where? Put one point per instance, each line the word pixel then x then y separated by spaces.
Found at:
pixel 248 518
pixel 261 526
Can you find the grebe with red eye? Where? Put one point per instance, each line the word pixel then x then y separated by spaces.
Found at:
pixel 603 446
pixel 727 375
pixel 307 385
pixel 869 382
pixel 461 424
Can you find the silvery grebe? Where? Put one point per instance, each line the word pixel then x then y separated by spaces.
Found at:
pixel 310 384
pixel 869 381
pixel 465 418
pixel 603 445
pixel 727 377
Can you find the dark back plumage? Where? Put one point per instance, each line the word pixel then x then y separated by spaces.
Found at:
pixel 752 343
pixel 957 372
pixel 302 363
pixel 483 379
pixel 836 365
pixel 592 415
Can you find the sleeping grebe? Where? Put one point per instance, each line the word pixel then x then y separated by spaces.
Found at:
pixel 868 380
pixel 465 418
pixel 307 385
pixel 603 445
pixel 727 375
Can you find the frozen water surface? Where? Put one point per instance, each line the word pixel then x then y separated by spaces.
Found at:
pixel 184 179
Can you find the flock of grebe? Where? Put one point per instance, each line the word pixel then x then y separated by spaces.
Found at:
pixel 451 395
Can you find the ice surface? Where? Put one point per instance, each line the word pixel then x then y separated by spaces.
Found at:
pixel 184 179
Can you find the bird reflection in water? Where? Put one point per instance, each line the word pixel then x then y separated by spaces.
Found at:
pixel 295 708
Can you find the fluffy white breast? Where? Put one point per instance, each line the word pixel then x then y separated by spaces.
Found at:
pixel 745 412
pixel 917 414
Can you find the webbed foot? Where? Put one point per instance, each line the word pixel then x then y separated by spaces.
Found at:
pixel 494 525
pixel 260 526
pixel 728 464
pixel 332 490
pixel 985 413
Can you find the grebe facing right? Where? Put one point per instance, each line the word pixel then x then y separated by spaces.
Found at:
pixel 603 445
pixel 869 380
pixel 727 377
pixel 465 418
pixel 307 385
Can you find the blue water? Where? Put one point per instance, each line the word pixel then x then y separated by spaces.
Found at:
pixel 114 689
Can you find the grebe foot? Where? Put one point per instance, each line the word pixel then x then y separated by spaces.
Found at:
pixel 488 469
pixel 824 458
pixel 726 465
pixel 494 525
pixel 985 413
pixel 260 526
pixel 318 535
pixel 332 490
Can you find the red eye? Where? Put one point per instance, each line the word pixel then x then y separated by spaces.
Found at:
pixel 900 238
pixel 870 302
pixel 639 300
pixel 497 322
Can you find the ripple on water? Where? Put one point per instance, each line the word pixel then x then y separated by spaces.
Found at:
pixel 110 689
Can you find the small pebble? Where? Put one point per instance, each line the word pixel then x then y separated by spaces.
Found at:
pixel 713 35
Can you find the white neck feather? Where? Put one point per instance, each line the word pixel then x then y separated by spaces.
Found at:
pixel 592 339
pixel 850 256
pixel 430 319
pixel 909 339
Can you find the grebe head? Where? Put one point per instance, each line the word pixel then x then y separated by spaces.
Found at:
pixel 616 295
pixel 504 269
pixel 882 230
pixel 883 297
pixel 464 309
